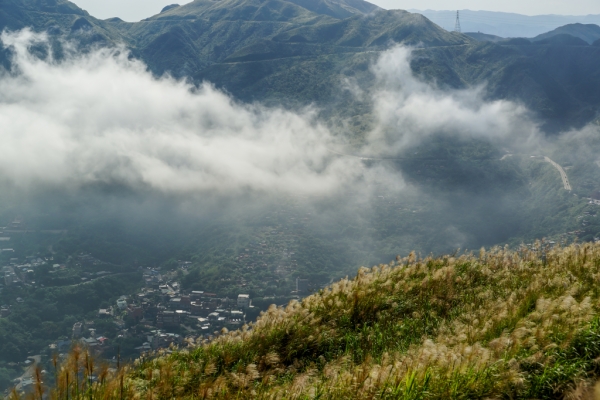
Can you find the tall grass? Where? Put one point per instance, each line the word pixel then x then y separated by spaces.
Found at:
pixel 497 324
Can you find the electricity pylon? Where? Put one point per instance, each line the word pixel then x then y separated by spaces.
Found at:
pixel 457 24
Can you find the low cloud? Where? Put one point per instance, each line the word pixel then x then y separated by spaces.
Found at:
pixel 409 110
pixel 102 118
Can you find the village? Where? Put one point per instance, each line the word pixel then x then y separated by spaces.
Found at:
pixel 158 313
pixel 161 312
pixel 161 315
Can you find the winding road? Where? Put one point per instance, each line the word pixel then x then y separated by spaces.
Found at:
pixel 562 172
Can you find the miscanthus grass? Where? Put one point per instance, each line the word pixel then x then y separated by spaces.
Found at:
pixel 499 324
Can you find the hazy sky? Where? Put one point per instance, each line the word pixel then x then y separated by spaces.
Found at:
pixel 134 10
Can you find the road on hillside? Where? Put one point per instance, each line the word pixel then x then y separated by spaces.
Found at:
pixel 29 372
pixel 318 55
pixel 97 279
pixel 563 174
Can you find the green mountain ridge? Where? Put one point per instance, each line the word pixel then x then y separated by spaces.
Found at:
pixel 587 32
pixel 254 42
pixel 337 9
pixel 562 39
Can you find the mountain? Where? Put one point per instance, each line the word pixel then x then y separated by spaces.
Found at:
pixel 337 9
pixel 291 52
pixel 498 324
pixel 60 18
pixel 295 55
pixel 381 29
pixel 558 82
pixel 505 24
pixel 588 32
pixel 169 7
pixel 229 10
pixel 19 14
pixel 203 33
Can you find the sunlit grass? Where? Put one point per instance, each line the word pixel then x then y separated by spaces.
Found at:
pixel 498 324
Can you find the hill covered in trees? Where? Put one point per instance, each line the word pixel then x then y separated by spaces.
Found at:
pixel 298 52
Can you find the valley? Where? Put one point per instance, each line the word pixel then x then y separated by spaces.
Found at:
pixel 167 181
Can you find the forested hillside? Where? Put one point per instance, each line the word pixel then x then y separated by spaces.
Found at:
pixel 287 52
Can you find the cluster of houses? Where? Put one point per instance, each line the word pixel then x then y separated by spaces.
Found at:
pixel 18 274
pixel 164 316
pixel 197 310
pixel 85 332
pixel 594 198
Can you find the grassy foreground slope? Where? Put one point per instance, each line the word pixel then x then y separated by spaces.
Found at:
pixel 498 324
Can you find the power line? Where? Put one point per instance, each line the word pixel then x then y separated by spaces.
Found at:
pixel 457 24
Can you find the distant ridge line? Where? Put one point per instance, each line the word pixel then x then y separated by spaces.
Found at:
pixel 504 24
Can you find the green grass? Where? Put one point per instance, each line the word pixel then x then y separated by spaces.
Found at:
pixel 500 324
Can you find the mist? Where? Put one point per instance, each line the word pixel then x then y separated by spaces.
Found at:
pixel 96 139
pixel 408 110
pixel 102 118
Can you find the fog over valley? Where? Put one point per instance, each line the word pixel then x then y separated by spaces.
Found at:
pixel 101 122
pixel 164 182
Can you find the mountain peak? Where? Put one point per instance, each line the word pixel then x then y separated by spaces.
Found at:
pixel 169 7
pixel 273 10
pixel 37 14
pixel 337 8
pixel 49 6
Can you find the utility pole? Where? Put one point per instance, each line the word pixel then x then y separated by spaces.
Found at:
pixel 457 24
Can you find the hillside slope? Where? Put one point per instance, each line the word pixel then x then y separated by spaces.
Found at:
pixel 588 32
pixel 500 324
pixel 298 52
pixel 18 14
pixel 188 39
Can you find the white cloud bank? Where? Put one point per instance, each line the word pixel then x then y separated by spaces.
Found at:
pixel 103 118
pixel 408 109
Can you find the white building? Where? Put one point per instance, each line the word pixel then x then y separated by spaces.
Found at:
pixel 122 304
pixel 243 300
pixel 77 329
